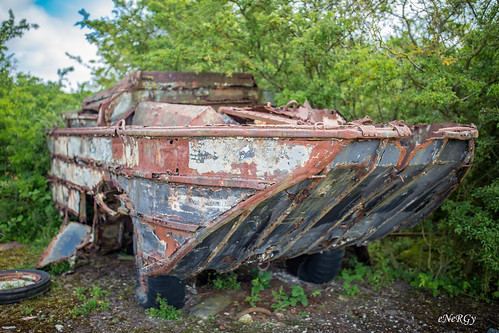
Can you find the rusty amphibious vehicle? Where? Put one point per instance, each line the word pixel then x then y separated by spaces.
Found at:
pixel 186 168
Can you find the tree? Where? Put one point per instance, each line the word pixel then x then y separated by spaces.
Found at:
pixel 9 30
pixel 27 108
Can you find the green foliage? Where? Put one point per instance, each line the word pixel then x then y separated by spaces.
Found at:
pixel 224 281
pixel 58 268
pixel 284 300
pixel 381 275
pixel 475 221
pixel 360 272
pixel 28 107
pixel 450 286
pixel 436 270
pixel 92 299
pixel 316 293
pixel 9 30
pixel 259 283
pixel 165 311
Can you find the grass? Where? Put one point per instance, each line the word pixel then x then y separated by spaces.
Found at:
pixel 93 300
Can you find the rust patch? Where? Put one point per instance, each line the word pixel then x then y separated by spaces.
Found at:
pixel 228 259
pixel 296 226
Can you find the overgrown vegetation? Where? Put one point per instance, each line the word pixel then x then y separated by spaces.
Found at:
pixel 384 273
pixel 258 284
pixel 283 300
pixel 224 281
pixel 93 300
pixel 59 267
pixel 28 107
pixel 165 311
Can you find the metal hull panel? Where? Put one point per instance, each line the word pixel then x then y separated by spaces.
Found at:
pixel 217 202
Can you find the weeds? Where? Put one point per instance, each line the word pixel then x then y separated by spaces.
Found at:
pixel 225 281
pixel 58 268
pixel 360 272
pixel 90 304
pixel 28 310
pixel 383 274
pixel 283 300
pixel 259 283
pixel 165 311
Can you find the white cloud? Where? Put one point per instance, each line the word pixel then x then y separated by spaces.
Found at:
pixel 42 51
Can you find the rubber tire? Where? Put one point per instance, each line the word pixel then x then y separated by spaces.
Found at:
pixel 15 295
pixel 317 268
pixel 168 287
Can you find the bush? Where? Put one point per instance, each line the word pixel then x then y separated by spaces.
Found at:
pixel 28 108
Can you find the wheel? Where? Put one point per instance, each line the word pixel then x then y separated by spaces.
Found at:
pixel 317 268
pixel 22 284
pixel 168 287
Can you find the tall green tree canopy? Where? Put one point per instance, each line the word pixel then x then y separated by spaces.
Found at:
pixel 384 58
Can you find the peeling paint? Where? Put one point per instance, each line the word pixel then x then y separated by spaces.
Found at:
pixel 266 157
pixel 75 173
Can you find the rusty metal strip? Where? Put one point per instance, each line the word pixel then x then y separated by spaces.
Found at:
pixel 458 132
pixel 256 184
pixel 169 224
pixel 87 162
pixel 284 131
pixel 99 198
pixel 63 208
pixel 216 181
pixel 69 184
pixel 448 190
pixel 272 131
pixel 408 157
pixel 271 227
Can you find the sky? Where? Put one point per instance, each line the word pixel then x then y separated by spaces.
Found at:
pixel 41 52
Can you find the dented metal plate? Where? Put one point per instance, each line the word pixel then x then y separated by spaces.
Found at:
pixel 66 243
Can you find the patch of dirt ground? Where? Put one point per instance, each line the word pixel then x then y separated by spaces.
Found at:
pixel 398 308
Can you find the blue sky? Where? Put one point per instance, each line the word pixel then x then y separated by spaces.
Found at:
pixel 42 51
pixel 57 8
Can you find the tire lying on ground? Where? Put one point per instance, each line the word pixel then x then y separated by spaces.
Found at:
pixel 318 267
pixel 22 284
pixel 168 287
